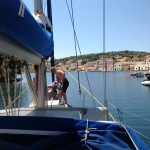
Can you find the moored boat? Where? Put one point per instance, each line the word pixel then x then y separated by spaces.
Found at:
pixel 147 79
pixel 137 74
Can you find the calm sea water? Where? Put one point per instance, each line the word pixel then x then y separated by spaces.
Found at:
pixel 121 91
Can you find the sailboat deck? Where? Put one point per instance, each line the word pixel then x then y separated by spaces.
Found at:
pixel 70 112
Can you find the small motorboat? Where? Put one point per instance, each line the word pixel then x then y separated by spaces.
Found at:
pixel 137 74
pixel 146 82
pixel 147 79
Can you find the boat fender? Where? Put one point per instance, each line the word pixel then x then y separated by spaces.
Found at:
pixel 1 61
pixel 12 64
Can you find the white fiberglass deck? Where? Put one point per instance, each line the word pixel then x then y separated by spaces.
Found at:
pixel 70 112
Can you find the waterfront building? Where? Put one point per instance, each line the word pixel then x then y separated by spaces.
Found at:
pixel 147 64
pixel 140 66
pixel 118 66
pixel 110 64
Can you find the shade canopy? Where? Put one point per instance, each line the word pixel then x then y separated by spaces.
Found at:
pixel 22 35
pixel 64 133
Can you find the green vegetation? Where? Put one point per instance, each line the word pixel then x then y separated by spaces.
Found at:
pixel 97 56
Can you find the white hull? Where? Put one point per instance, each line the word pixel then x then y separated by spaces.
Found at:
pixel 146 82
pixel 97 114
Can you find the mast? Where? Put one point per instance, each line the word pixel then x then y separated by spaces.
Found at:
pixel 49 13
pixel 38 5
pixel 104 49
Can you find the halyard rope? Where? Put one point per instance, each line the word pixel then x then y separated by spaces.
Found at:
pixel 77 42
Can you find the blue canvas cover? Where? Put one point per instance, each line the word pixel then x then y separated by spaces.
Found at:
pixel 32 132
pixel 24 29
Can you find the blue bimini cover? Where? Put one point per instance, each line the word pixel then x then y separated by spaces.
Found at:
pixel 25 29
pixel 32 132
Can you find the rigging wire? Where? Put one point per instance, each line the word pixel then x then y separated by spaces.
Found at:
pixel 20 91
pixel 140 134
pixel 138 116
pixel 3 98
pixel 2 95
pixel 6 76
pixel 44 7
pixel 76 42
pixel 146 137
pixel 15 84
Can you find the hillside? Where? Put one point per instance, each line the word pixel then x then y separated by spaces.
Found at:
pixel 97 56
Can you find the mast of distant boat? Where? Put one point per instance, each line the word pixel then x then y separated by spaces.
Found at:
pixel 49 13
pixel 105 99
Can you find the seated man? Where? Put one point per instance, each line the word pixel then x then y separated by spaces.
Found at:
pixel 52 91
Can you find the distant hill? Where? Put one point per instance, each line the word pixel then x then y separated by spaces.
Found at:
pixel 113 55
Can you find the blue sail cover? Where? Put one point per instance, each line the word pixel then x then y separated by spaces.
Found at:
pixel 32 132
pixel 25 29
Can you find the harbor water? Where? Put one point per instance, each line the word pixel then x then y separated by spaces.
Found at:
pixel 128 100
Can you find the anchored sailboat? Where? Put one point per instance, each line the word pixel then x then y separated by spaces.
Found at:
pixel 44 127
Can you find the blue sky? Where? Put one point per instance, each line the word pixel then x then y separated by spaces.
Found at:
pixel 127 26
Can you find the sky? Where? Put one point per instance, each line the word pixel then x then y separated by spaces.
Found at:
pixel 127 26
